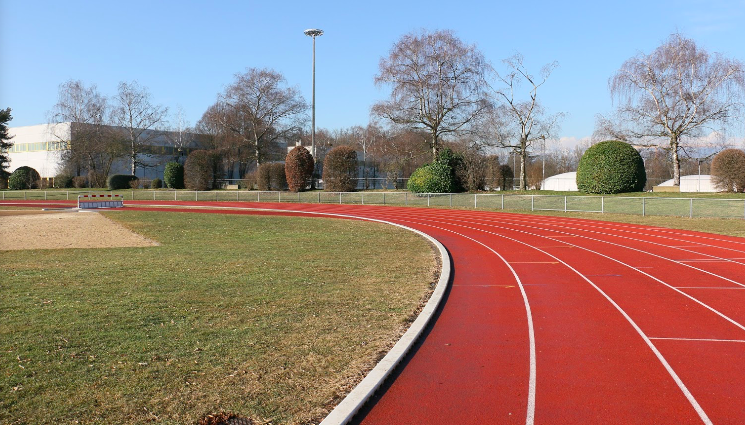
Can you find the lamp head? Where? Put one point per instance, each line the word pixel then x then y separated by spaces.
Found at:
pixel 312 32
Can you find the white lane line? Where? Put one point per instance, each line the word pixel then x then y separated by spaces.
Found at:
pixel 698 339
pixel 709 287
pixel 530 415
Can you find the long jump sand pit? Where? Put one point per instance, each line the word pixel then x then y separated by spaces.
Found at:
pixel 33 229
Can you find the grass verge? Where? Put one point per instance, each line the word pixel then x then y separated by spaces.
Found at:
pixel 271 318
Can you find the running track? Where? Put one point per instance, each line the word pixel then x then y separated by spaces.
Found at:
pixel 564 321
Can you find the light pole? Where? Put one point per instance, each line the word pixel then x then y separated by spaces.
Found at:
pixel 313 33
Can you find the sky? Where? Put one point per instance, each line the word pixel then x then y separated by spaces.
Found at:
pixel 187 52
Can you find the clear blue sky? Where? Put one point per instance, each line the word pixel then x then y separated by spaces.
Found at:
pixel 186 52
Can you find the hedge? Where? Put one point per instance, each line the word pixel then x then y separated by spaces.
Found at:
pixel 431 178
pixel 271 176
pixel 611 167
pixel 340 170
pixel 299 166
pixel 24 178
pixel 121 181
pixel 199 170
pixel 173 175
pixel 728 170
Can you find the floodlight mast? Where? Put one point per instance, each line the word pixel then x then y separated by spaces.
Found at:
pixel 313 32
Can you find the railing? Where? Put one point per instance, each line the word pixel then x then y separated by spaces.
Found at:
pixel 645 206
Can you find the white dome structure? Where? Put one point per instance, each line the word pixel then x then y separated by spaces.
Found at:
pixel 694 183
pixel 565 182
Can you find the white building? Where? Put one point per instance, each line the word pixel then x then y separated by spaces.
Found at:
pixel 566 182
pixel 41 147
pixel 694 183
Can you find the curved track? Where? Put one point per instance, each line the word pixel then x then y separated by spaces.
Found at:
pixel 560 320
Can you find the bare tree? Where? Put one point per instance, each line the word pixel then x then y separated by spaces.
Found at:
pixel 180 135
pixel 517 124
pixel 438 84
pixel 140 119
pixel 260 111
pixel 674 94
pixel 92 146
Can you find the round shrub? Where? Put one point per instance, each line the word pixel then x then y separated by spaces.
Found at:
pixel 431 178
pixel 271 176
pixel 122 181
pixel 728 170
pixel 156 183
pixel 298 168
pixel 24 178
pixel 173 175
pixel 611 167
pixel 340 169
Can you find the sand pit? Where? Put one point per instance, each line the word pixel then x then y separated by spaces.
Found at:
pixel 25 229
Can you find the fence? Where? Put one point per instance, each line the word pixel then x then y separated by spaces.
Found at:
pixel 645 206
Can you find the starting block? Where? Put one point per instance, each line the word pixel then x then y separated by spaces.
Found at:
pixel 100 201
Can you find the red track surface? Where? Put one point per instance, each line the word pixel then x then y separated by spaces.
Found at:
pixel 630 324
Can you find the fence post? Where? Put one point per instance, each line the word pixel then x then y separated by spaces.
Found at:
pixel 298 196
pixel 428 199
pixel 258 196
pixel 24 195
pixel 133 194
pixel 644 207
pixel 153 195
pixel 406 198
pixel 565 203
pixel 363 198
pixel 503 201
pixel 196 196
pixel 451 200
pixel 68 195
pixel 175 195
pixel 474 200
pixel 690 213
pixel 532 202
pixel 383 198
pixel 602 205
pixel 319 197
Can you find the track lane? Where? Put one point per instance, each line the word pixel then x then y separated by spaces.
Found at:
pixel 604 375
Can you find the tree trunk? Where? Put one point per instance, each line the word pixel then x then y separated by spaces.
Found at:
pixel 523 171
pixel 674 144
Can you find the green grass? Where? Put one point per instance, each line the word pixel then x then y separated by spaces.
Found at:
pixel 272 318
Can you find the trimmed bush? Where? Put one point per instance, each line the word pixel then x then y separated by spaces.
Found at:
pixel 431 178
pixel 24 178
pixel 173 175
pixel 156 183
pixel 340 170
pixel 63 181
pixel 298 168
pixel 80 182
pixel 728 170
pixel 271 176
pixel 611 167
pixel 458 168
pixel 199 170
pixel 122 181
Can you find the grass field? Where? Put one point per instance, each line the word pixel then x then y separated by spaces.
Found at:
pixel 271 318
